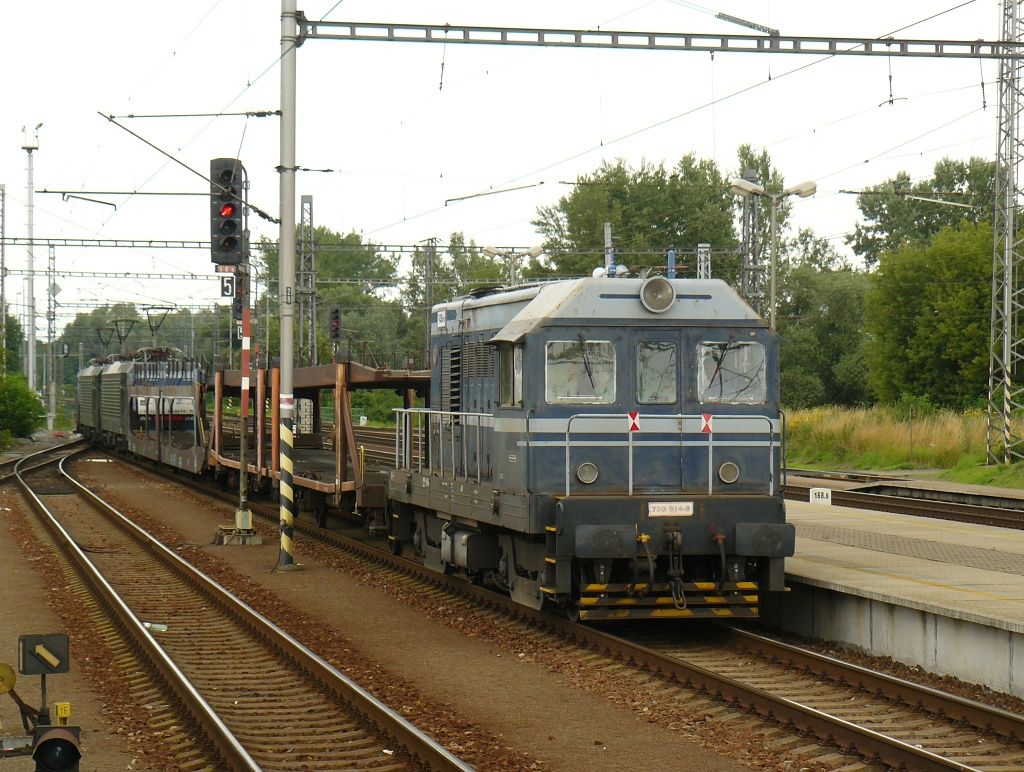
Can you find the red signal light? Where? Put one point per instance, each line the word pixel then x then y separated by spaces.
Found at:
pixel 227 210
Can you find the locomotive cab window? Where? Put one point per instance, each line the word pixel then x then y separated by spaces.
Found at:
pixel 731 372
pixel 511 374
pixel 580 371
pixel 656 372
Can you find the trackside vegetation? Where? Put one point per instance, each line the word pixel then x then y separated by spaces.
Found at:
pixel 909 435
pixel 21 411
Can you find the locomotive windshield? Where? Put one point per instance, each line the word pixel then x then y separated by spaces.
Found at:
pixel 731 372
pixel 580 371
pixel 656 372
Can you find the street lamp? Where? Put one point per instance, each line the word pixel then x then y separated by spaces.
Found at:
pixel 747 188
pixel 512 258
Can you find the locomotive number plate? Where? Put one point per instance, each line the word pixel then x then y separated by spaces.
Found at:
pixel 670 509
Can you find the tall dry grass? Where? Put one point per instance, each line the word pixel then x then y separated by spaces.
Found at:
pixel 883 437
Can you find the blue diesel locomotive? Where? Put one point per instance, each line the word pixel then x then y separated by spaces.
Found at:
pixel 608 446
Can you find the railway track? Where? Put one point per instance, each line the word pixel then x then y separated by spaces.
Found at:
pixel 39 459
pixel 896 721
pixel 865 477
pixel 905 505
pixel 870 714
pixel 249 693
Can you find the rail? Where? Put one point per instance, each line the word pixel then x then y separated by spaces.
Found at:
pixel 363 705
pixel 603 423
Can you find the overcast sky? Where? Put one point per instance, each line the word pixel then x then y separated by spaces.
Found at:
pixel 401 139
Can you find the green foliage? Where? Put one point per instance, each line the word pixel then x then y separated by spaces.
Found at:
pixel 801 389
pixel 972 470
pixel 340 256
pixel 13 345
pixel 820 321
pixel 650 209
pixel 909 407
pixel 894 220
pixel 372 324
pixel 21 411
pixel 928 319
pixel 377 405
pixel 883 437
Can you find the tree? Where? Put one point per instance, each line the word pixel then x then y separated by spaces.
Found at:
pixel 372 322
pixel 893 218
pixel 338 256
pixel 649 208
pixel 21 411
pixel 13 345
pixel 821 313
pixel 927 313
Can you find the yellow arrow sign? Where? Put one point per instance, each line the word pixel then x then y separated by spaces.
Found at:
pixel 44 654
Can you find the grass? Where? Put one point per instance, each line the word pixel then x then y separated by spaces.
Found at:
pixel 883 437
pixel 939 443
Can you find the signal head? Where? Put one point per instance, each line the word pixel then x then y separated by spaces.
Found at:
pixel 56 748
pixel 227 245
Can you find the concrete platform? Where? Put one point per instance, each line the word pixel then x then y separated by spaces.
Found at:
pixel 943 595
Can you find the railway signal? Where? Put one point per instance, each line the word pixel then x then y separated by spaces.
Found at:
pixel 56 748
pixel 227 226
pixel 335 324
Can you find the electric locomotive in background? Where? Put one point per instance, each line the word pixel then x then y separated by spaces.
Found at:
pixel 611 446
pixel 148 403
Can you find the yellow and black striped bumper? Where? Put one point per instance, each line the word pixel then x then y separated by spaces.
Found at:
pixel 640 601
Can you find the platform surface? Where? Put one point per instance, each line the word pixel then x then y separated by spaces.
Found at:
pixel 963 571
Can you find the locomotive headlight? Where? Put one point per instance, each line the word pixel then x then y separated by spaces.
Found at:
pixel 728 472
pixel 657 294
pixel 586 472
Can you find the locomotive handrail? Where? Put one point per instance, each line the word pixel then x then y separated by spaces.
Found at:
pixel 403 449
pixel 783 466
pixel 681 417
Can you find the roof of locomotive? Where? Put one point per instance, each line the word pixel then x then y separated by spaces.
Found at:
pixel 115 368
pixel 602 299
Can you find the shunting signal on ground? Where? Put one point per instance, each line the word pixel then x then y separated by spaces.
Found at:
pixel 56 748
pixel 43 654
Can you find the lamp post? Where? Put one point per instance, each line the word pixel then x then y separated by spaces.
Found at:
pixel 743 187
pixel 512 259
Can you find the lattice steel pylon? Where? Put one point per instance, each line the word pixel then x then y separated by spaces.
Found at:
pixel 306 285
pixel 753 272
pixel 1006 347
